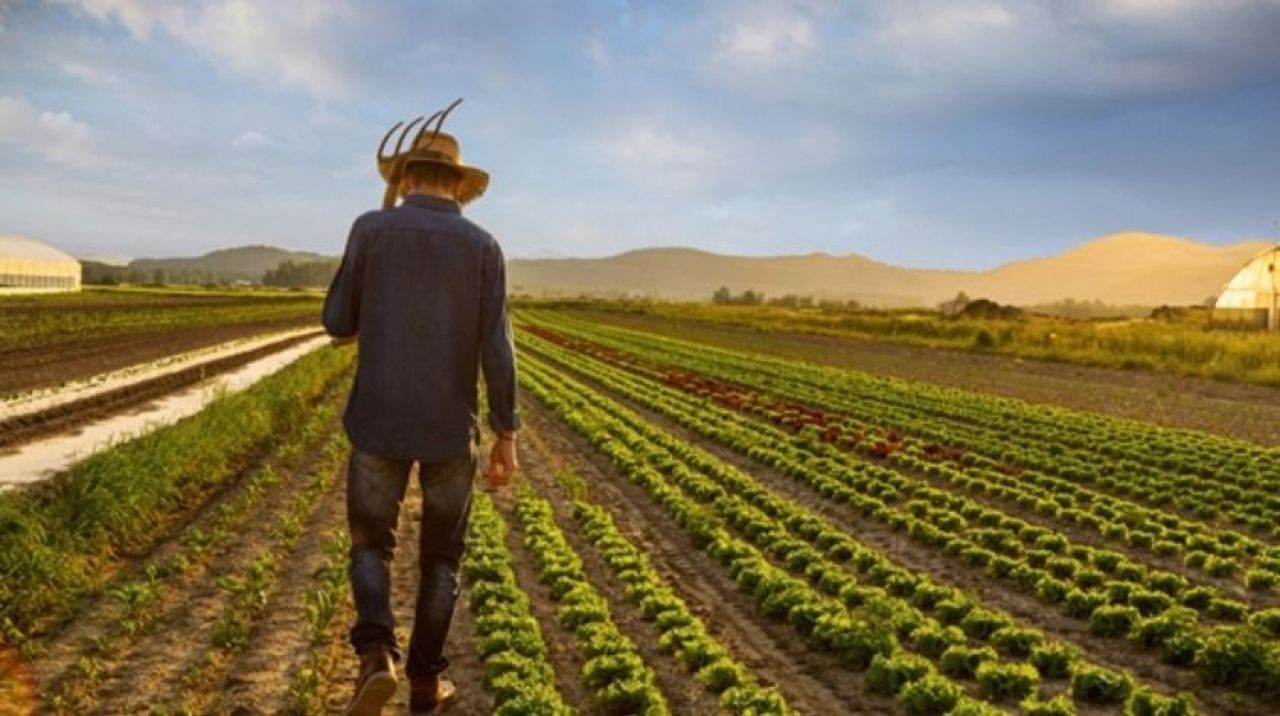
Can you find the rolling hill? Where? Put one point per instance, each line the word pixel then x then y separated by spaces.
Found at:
pixel 1124 268
pixel 242 262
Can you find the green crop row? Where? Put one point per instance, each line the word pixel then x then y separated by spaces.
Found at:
pixel 783 596
pixel 508 640
pixel 683 633
pixel 61 541
pixel 622 682
pixel 1218 553
pixel 230 629
pixel 1214 476
pixel 322 604
pixel 1128 600
pixel 34 326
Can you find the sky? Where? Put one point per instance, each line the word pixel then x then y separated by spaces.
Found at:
pixel 929 133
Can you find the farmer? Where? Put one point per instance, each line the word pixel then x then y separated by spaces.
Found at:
pixel 423 292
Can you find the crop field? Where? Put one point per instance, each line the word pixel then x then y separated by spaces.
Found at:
pixel 48 339
pixel 695 529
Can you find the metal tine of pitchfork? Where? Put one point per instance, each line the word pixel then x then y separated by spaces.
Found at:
pixel 439 118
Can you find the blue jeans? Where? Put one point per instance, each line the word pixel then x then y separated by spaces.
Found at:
pixel 375 491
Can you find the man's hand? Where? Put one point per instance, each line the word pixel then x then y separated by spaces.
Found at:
pixel 502 461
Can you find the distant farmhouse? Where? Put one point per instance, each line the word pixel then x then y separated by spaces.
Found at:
pixel 1252 298
pixel 28 266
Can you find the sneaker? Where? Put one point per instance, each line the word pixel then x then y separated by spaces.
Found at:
pixel 375 685
pixel 430 696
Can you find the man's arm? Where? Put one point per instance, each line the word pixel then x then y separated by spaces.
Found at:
pixel 341 315
pixel 497 353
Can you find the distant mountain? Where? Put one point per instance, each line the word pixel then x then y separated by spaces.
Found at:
pixel 242 262
pixel 1124 268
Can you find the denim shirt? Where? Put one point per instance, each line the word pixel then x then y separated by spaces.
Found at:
pixel 424 291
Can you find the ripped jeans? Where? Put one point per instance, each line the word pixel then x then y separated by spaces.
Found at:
pixel 375 491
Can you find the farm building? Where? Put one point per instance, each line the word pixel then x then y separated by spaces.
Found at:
pixel 1252 298
pixel 28 266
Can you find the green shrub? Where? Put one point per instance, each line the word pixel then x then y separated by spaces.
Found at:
pixel 1059 705
pixel 1113 620
pixel 1199 597
pixel 980 624
pixel 1157 630
pixel 856 643
pixel 1268 620
pixel 1150 602
pixel 1094 684
pixel 931 695
pixel 1260 579
pixel 951 611
pixel 1182 647
pixel 963 661
pixel 1007 681
pixel 721 674
pixel 1053 661
pixel 1144 702
pixel 1080 604
pixel 1227 610
pixel 1220 566
pixel 753 701
pixel 1016 641
pixel 1240 657
pixel 887 675
pixel 931 640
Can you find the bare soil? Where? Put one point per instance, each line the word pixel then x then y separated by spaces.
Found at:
pixel 26 428
pixel 177 638
pixel 28 368
pixel 1238 410
pixel 465 668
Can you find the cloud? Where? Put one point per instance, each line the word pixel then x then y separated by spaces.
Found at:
pixel 766 36
pixel 89 74
pixel 56 136
pixel 253 138
pixel 292 43
pixel 664 157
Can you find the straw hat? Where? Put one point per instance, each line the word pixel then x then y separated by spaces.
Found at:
pixel 428 146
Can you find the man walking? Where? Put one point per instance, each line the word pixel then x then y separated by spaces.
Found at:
pixel 423 292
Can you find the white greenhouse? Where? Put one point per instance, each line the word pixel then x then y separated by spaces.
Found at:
pixel 1252 298
pixel 28 266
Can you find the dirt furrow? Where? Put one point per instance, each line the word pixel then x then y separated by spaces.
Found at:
pixel 157 671
pixel 98 620
pixel 32 367
pixel 22 429
pixel 255 680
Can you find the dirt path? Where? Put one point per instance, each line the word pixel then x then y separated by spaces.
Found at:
pixel 465 668
pixel 812 682
pixel 178 657
pixel 1239 410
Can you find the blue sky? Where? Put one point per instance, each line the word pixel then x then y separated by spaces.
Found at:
pixel 943 133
